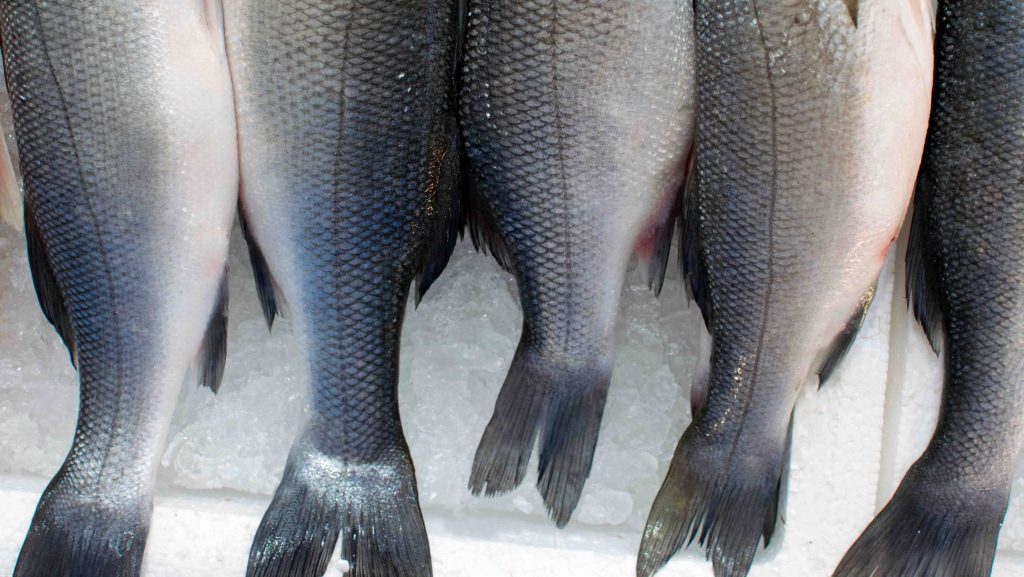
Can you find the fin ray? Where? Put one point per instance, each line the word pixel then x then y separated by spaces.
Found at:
pixel 910 538
pixel 71 536
pixel 663 235
pixel 922 286
pixel 725 512
pixel 843 341
pixel 214 348
pixel 564 408
pixel 447 224
pixel 373 509
pixel 486 238
pixel 690 254
pixel 48 292
pixel 261 274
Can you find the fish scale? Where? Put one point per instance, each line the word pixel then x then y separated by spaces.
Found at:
pixel 105 116
pixel 800 189
pixel 965 277
pixel 577 117
pixel 347 139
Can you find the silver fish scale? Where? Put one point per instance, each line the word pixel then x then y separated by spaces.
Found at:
pixel 540 161
pixel 965 277
pixel 768 156
pixel 347 89
pixel 974 171
pixel 577 117
pixel 90 191
pixel 347 140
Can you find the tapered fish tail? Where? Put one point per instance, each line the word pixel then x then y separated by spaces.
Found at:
pixel 564 405
pixel 372 507
pixel 726 511
pixel 74 535
pixel 919 534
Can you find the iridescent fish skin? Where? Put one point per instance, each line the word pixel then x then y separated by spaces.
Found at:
pixel 126 136
pixel 965 278
pixel 811 124
pixel 578 120
pixel 347 139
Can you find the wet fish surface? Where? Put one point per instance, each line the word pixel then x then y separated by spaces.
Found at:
pixel 804 172
pixel 577 118
pixel 347 139
pixel 965 278
pixel 126 137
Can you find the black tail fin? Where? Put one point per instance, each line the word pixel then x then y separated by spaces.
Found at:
pixel 372 507
pixel 563 404
pixel 726 511
pixel 73 535
pixel 920 535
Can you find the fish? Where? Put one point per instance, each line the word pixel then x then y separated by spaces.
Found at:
pixel 577 118
pixel 965 281
pixel 126 140
pixel 348 144
pixel 811 124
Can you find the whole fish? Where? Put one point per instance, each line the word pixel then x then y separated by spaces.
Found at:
pixel 965 277
pixel 577 117
pixel 126 135
pixel 347 138
pixel 811 123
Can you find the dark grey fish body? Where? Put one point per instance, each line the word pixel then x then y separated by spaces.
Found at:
pixel 126 137
pixel 347 143
pixel 577 117
pixel 801 188
pixel 965 275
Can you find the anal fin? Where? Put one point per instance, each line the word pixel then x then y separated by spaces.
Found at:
pixel 662 237
pixel 922 283
pixel 261 274
pixel 690 254
pixel 51 299
pixel 214 348
pixel 844 340
pixel 447 217
pixel 484 233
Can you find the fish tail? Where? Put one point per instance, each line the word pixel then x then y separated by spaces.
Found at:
pixel 75 535
pixel 372 508
pixel 564 405
pixel 726 511
pixel 919 535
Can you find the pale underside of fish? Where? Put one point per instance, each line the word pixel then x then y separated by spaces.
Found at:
pixel 965 278
pixel 577 117
pixel 347 140
pixel 811 123
pixel 126 136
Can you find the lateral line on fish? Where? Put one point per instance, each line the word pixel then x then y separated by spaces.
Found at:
pixel 342 102
pixel 771 230
pixel 101 249
pixel 561 168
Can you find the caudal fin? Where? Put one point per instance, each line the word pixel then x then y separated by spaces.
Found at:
pixel 564 405
pixel 372 507
pixel 919 535
pixel 76 535
pixel 727 511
